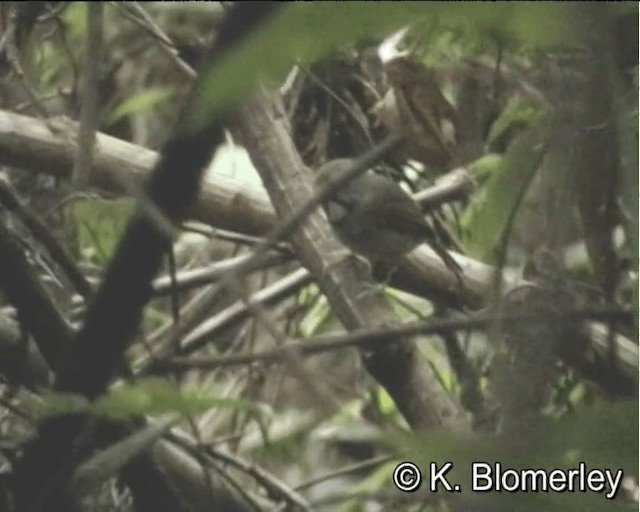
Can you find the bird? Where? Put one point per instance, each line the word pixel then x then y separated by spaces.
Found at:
pixel 375 218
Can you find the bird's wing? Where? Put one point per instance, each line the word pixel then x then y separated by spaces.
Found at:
pixel 407 218
pixel 404 217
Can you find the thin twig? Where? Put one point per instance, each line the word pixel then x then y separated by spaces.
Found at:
pixel 274 486
pixel 12 56
pixel 340 102
pixel 188 279
pixel 89 110
pixel 173 291
pixel 347 470
pixel 11 201
pixel 452 186
pixel 283 287
pixel 229 236
pixel 362 337
pixel 287 225
pixel 134 12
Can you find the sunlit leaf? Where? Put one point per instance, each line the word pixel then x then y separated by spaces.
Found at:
pixel 100 223
pixel 75 17
pixel 486 166
pixel 487 218
pixel 55 404
pixel 386 403
pixel 517 113
pixel 141 102
pixel 158 396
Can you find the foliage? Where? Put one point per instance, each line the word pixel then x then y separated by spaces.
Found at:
pixel 487 220
pixel 100 226
pixel 301 418
pixel 146 397
pixel 141 102
pixel 605 436
pixel 296 34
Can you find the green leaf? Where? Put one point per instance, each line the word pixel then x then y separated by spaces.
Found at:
pixel 54 404
pixel 100 223
pixel 386 403
pixel 158 396
pixel 152 396
pixel 517 113
pixel 487 219
pixel 486 166
pixel 75 19
pixel 141 102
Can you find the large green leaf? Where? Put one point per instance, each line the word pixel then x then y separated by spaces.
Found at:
pixel 487 219
pixel 517 113
pixel 141 102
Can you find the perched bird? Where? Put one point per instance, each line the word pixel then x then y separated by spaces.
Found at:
pixel 375 218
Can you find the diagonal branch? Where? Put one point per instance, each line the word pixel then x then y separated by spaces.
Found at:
pixel 113 316
pixel 397 367
pixel 11 201
pixel 38 314
pixel 29 144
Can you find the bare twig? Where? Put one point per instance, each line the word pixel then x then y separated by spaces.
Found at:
pixel 28 144
pixel 36 311
pixel 454 185
pixel 362 337
pixel 230 236
pixel 274 486
pixel 139 16
pixel 347 470
pixel 234 313
pixel 283 287
pixel 11 201
pixel 299 214
pixel 188 279
pixel 89 109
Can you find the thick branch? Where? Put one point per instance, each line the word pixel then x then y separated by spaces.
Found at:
pixel 413 386
pixel 30 144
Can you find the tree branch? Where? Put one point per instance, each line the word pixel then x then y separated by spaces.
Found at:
pixel 418 394
pixel 112 318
